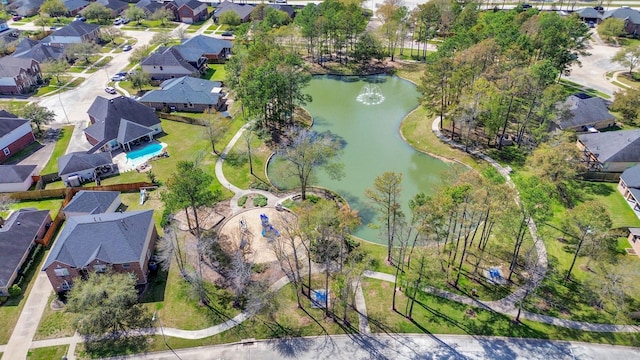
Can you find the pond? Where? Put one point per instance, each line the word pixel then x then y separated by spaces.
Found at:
pixel 366 113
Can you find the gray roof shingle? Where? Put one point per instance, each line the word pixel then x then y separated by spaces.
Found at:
pixel 109 113
pixel 9 124
pixel 585 111
pixel 185 90
pixel 588 12
pixel 243 10
pixel 114 238
pixel 80 161
pixel 169 57
pixel 38 51
pixel 614 146
pixel 194 48
pixel 76 28
pixel 13 174
pixel 16 237
pixel 623 13
pixel 10 66
pixel 631 177
pixel 91 202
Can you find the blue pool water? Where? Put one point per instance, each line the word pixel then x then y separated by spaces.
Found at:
pixel 148 151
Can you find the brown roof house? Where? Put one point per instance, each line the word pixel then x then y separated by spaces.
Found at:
pixel 611 151
pixel 120 122
pixel 581 112
pixel 116 242
pixel 14 178
pixel 15 135
pixel 188 11
pixel 17 237
pixel 18 75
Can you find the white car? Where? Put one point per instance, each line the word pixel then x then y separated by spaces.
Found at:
pixel 110 90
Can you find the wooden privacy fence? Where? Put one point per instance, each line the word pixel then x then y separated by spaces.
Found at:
pixel 68 194
pixel 182 119
pixel 601 176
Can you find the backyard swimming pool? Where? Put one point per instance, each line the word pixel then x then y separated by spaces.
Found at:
pixel 138 157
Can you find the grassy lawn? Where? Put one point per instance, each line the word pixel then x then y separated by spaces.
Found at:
pixel 216 72
pixel 52 205
pixel 236 165
pixel 60 148
pixel 54 324
pixel 619 210
pixel 48 353
pixel 65 85
pixel 434 315
pixel 12 105
pixel 129 87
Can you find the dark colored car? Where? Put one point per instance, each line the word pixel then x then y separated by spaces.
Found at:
pixel 126 48
pixel 227 33
pixel 16 17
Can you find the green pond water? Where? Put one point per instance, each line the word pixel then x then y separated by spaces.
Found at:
pixel 372 141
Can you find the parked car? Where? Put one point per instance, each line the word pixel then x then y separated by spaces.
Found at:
pixel 79 18
pixel 16 17
pixel 117 21
pixel 118 78
pixel 121 73
pixel 227 33
pixel 110 90
pixel 126 48
pixel 125 20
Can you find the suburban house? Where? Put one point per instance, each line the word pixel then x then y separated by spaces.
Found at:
pixel 629 187
pixel 86 202
pixel 17 237
pixel 611 151
pixel 15 135
pixel 288 9
pixel 188 11
pixel 15 178
pixel 214 50
pixel 25 7
pixel 242 10
pixel 581 112
pixel 18 75
pixel 630 16
pixel 75 6
pixel 73 33
pixel 588 15
pixel 117 7
pixel 121 242
pixel 119 123
pixel 168 63
pixel 149 6
pixel 186 94
pixel 76 167
pixel 634 240
pixel 40 52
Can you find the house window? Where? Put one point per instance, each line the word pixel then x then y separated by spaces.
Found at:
pixel 61 272
pixel 160 68
pixel 66 285
pixel 100 268
pixel 126 266
pixel 6 151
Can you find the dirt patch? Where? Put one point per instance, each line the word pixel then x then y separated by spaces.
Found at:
pixel 384 285
pixel 207 218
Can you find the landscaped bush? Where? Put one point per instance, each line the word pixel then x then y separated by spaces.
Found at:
pixel 242 201
pixel 15 290
pixel 260 201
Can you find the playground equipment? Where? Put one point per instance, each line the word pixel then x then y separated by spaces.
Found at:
pixel 245 238
pixel 143 196
pixel 268 230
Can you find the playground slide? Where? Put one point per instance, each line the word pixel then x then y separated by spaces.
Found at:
pixel 143 196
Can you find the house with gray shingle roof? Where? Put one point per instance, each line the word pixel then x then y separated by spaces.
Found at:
pixel 186 94
pixel 611 151
pixel 630 16
pixel 214 50
pixel 25 7
pixel 629 186
pixel 86 202
pixel 18 75
pixel 39 51
pixel 84 166
pixel 149 6
pixel 111 242
pixel 168 63
pixel 119 123
pixel 588 14
pixel 17 237
pixel 75 6
pixel 242 10
pixel 15 135
pixel 117 7
pixel 15 178
pixel 581 112
pixel 73 33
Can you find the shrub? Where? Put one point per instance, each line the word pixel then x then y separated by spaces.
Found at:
pixel 260 201
pixel 242 201
pixel 15 290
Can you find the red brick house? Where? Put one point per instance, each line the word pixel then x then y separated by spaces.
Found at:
pixel 18 75
pixel 188 11
pixel 15 135
pixel 109 242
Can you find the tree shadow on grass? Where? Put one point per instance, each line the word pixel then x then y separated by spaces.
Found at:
pixel 116 346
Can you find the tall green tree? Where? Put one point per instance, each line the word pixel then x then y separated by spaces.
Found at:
pixel 610 29
pixel 107 303
pixel 55 68
pixel 628 56
pixel 308 152
pixel 136 14
pixel 55 8
pixel 140 79
pixel 385 197
pixel 627 103
pixel 38 115
pixel 98 12
pixel 163 14
pixel 81 51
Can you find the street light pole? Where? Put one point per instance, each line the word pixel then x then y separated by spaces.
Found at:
pixel 63 110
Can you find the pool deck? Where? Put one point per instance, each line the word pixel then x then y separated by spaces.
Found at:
pixel 124 165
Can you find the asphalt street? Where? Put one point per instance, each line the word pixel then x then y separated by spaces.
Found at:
pixel 399 347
